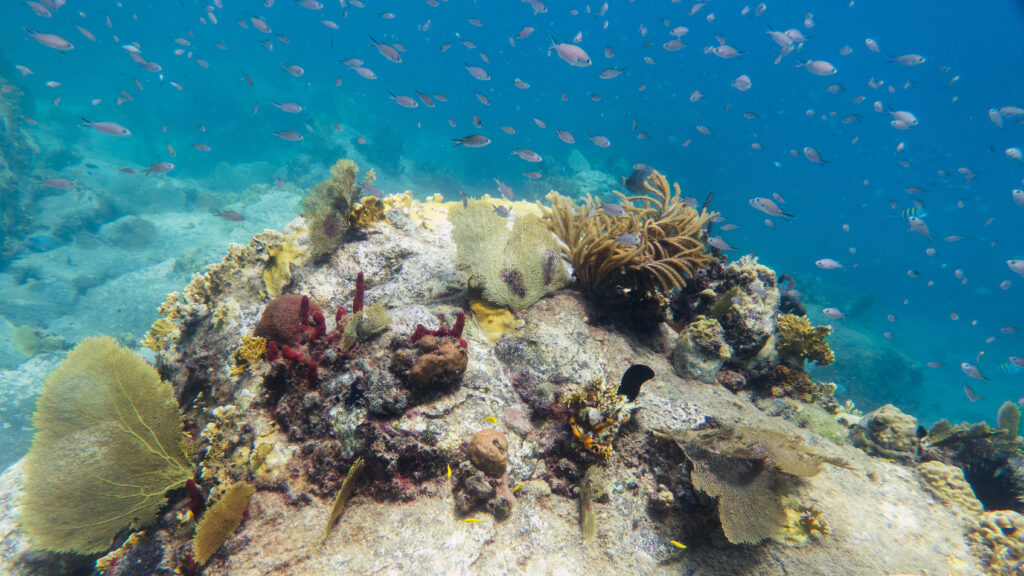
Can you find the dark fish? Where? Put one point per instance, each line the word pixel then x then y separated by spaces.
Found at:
pixel 473 141
pixel 613 208
pixel 371 190
pixel 633 378
pixel 628 239
pixel 635 182
pixel 465 201
pixel 229 215
pixel 503 211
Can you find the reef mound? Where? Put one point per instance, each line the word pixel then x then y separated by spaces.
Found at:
pixel 880 519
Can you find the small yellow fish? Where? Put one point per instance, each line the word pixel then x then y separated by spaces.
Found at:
pixel 473 521
pixel 679 545
pixel 517 487
pixel 491 419
pixel 449 466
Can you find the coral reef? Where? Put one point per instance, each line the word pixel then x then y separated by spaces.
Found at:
pixel 701 350
pixel 889 433
pixel 282 320
pixel 513 267
pixel 441 364
pixel 746 309
pixel 494 321
pixel 654 245
pixel 106 450
pixel 797 341
pixel 366 212
pixel 948 485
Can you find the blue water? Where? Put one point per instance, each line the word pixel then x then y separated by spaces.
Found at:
pixel 413 147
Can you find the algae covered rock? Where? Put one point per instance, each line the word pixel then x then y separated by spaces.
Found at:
pixel 701 350
pixel 746 309
pixel 887 432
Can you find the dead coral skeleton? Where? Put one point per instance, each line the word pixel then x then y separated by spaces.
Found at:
pixel 657 242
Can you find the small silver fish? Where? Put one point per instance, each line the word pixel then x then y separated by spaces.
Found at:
pixel 503 211
pixel 629 239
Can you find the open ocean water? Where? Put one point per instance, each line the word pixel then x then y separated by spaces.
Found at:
pixel 891 132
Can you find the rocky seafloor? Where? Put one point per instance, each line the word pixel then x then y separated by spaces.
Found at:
pixel 424 504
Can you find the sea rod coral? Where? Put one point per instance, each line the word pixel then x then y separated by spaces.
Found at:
pixel 656 243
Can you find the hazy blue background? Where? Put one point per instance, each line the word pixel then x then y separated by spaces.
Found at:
pixel 412 147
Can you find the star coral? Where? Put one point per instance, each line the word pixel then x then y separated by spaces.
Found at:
pixel 797 341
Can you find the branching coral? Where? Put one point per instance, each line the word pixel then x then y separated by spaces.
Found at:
pixel 328 208
pixel 668 232
pixel 797 341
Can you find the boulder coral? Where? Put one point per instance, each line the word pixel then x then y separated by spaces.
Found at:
pixel 701 350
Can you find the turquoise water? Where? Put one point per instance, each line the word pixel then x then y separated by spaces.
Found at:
pixel 99 257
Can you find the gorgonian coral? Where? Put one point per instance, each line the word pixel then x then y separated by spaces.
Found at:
pixel 656 242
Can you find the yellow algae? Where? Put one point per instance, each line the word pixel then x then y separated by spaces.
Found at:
pixel 494 321
pixel 798 341
pixel 368 211
pixel 800 524
pixel 278 273
pixel 251 351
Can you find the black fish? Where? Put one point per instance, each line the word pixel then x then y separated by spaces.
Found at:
pixel 636 180
pixel 633 378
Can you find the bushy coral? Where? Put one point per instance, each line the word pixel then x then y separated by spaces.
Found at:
pixel 328 207
pixel 797 341
pixel 669 239
pixel 513 267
